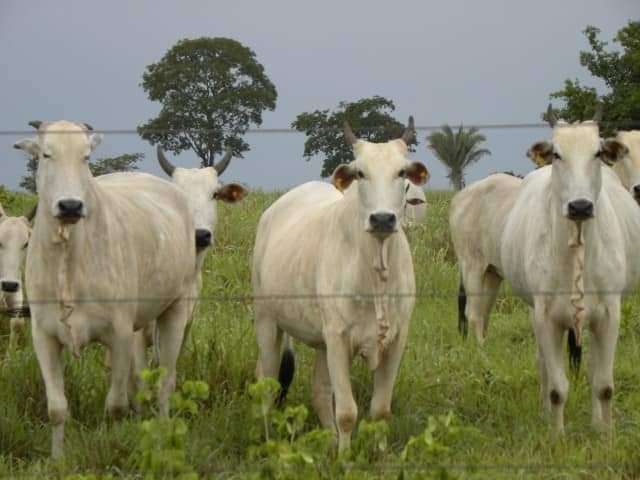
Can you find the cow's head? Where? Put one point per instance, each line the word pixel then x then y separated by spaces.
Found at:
pixel 576 154
pixel 628 168
pixel 381 169
pixel 203 188
pixel 14 237
pixel 63 178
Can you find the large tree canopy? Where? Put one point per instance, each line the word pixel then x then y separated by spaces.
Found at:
pixel 620 71
pixel 211 90
pixel 370 119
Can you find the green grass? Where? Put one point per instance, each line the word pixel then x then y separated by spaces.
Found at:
pixel 492 389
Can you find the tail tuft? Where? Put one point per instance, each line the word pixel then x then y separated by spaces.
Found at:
pixel 575 351
pixel 285 374
pixel 463 323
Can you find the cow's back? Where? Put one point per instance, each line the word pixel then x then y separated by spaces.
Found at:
pixel 478 216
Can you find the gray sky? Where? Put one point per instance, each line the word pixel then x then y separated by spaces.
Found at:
pixel 490 61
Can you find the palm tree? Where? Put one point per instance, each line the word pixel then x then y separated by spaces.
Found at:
pixel 457 150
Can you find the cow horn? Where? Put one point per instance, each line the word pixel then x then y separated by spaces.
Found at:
pixel 166 165
pixel 32 213
pixel 597 116
pixel 222 165
pixel 551 116
pixel 410 132
pixel 349 136
pixel 35 124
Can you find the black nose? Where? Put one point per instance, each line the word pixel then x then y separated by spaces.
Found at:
pixel 70 208
pixel 382 222
pixel 9 287
pixel 580 209
pixel 203 238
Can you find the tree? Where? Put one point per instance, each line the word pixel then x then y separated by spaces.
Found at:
pixel 457 150
pixel 121 163
pixel 620 71
pixel 100 166
pixel 370 119
pixel 211 90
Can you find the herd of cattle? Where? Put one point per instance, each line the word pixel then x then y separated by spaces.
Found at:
pixel 113 259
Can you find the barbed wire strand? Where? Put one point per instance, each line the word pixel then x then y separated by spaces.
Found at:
pixel 287 130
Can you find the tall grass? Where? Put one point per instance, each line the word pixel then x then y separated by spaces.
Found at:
pixel 493 389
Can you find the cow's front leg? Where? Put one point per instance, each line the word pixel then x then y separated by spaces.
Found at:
pixel 605 337
pixel 385 377
pixel 121 352
pixel 321 391
pixel 49 354
pixel 549 336
pixel 339 363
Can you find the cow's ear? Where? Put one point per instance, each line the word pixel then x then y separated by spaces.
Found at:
pixel 342 176
pixel 230 193
pixel 415 201
pixel 541 153
pixel 95 139
pixel 417 173
pixel 28 145
pixel 613 151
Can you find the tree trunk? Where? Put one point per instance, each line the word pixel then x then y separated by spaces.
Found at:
pixel 457 180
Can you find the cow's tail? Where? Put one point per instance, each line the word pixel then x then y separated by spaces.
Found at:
pixel 575 351
pixel 463 322
pixel 287 368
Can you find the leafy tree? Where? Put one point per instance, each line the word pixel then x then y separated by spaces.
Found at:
pixel 100 166
pixel 211 90
pixel 370 119
pixel 620 71
pixel 121 163
pixel 457 150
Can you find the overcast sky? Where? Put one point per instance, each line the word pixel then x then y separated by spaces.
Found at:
pixel 489 61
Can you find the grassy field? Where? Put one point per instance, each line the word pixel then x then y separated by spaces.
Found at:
pixel 492 391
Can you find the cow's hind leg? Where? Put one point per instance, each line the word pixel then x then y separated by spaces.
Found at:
pixel 121 353
pixel 49 354
pixel 385 376
pixel 171 326
pixel 321 393
pixel 603 347
pixel 481 289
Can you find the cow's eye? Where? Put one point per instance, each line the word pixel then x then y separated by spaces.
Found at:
pixel 46 155
pixel 599 154
pixel 402 173
pixel 86 158
pixel 556 156
pixel 25 245
pixel 360 174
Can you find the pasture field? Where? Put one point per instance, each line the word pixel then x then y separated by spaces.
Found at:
pixel 491 391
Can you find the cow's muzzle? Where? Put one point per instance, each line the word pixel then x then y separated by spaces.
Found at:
pixel 203 238
pixel 579 210
pixel 9 286
pixel 70 210
pixel 382 223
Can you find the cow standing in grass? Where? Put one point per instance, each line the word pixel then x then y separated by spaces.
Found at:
pixel 334 270
pixel 569 250
pixel 415 209
pixel 628 168
pixel 107 256
pixel 14 238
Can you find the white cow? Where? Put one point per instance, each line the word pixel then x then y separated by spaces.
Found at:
pixel 569 250
pixel 628 169
pixel 14 238
pixel 106 257
pixel 415 208
pixel 334 270
pixel 476 221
